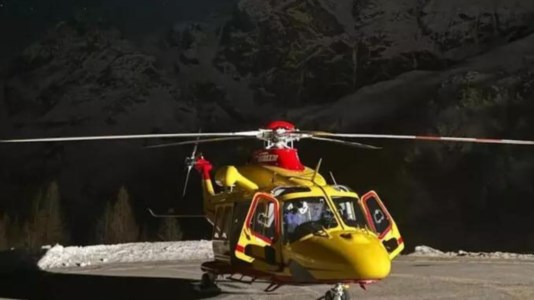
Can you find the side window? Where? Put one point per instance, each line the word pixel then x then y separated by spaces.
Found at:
pixel 377 214
pixel 216 224
pixel 263 223
pixel 227 222
pixel 379 217
pixel 221 226
pixel 350 211
pixel 238 220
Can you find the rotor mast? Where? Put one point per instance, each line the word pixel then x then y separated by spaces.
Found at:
pixel 278 148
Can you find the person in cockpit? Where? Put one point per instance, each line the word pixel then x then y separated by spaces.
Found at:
pixel 295 214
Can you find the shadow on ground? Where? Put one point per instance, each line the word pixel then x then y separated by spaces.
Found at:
pixel 20 278
pixel 44 285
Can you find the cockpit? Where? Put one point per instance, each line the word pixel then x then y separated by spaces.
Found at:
pixel 303 216
pixel 314 215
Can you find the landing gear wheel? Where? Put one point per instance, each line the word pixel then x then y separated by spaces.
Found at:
pixel 338 292
pixel 208 279
pixel 207 284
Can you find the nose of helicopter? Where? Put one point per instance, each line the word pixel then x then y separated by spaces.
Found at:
pixel 356 255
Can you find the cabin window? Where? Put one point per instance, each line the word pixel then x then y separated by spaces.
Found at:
pixel 240 214
pixel 238 220
pixel 350 211
pixel 216 226
pixel 227 222
pixel 263 223
pixel 222 223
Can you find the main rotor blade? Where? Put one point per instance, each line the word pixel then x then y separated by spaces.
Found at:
pixel 424 138
pixel 253 133
pixel 346 143
pixel 196 142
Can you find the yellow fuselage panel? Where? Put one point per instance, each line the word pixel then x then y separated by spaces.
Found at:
pixel 344 255
pixel 269 176
pixel 394 234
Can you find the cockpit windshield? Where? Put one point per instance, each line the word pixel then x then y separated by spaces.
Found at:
pixel 307 215
pixel 350 211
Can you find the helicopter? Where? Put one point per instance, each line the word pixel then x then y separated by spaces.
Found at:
pixel 278 220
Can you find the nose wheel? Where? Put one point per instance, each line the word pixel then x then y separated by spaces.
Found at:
pixel 207 284
pixel 338 292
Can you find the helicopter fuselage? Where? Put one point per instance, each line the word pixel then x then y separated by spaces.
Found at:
pixel 289 225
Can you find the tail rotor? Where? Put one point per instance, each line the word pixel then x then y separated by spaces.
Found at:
pixel 189 163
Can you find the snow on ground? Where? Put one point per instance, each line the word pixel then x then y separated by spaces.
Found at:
pixel 60 257
pixel 430 252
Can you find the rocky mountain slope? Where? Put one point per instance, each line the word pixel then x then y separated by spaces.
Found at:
pixel 306 52
pixel 412 66
pixel 87 81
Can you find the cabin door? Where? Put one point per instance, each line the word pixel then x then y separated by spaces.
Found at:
pixel 259 239
pixel 381 222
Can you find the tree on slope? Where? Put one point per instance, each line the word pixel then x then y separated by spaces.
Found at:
pixel 118 224
pixel 169 230
pixel 45 225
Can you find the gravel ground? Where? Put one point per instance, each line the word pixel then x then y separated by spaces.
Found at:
pixel 412 277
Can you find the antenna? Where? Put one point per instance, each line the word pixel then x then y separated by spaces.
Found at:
pixel 333 179
pixel 317 168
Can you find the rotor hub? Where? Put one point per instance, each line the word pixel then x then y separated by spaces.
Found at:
pixel 280 135
pixel 276 125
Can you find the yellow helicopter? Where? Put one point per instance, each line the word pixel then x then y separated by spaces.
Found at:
pixel 276 219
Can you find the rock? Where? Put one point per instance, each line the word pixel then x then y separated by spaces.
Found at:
pixel 85 76
pixel 425 250
pixel 288 48
pixel 187 38
pixel 306 52
pixel 456 26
